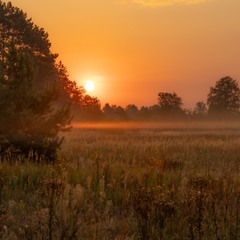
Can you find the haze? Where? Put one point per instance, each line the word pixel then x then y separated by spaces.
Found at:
pixel 137 48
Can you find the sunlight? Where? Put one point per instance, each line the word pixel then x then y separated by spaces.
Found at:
pixel 89 86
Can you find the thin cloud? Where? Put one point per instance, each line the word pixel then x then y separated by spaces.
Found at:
pixel 161 3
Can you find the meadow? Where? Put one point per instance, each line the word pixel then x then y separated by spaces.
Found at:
pixel 151 182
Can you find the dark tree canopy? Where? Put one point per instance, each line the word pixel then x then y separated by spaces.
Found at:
pixel 114 112
pixel 30 120
pixel 169 102
pixel 200 109
pixel 70 91
pixel 224 98
pixel 14 25
pixel 27 119
pixel 132 111
pixel 84 106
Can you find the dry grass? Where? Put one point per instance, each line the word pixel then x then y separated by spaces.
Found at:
pixel 128 183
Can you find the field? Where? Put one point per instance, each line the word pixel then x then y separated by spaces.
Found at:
pixel 159 182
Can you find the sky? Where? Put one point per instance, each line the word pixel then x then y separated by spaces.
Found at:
pixel 134 49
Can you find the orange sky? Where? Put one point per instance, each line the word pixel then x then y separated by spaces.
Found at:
pixel 134 49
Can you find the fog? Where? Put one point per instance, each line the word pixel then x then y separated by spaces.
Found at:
pixel 181 125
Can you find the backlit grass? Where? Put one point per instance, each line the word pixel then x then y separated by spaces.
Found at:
pixel 127 184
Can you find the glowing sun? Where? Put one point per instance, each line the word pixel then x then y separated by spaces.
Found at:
pixel 89 86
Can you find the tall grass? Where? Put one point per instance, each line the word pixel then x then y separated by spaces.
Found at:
pixel 127 184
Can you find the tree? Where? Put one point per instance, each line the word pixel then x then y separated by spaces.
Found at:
pixel 70 91
pixel 154 112
pixel 89 109
pixel 224 98
pixel 170 103
pixel 114 112
pixel 14 25
pixel 29 122
pixel 107 109
pixel 200 109
pixel 132 111
pixel 85 107
pixel 144 113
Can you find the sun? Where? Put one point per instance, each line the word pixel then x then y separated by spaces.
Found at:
pixel 89 86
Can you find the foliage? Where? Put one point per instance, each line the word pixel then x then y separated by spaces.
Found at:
pixel 30 120
pixel 88 110
pixel 169 102
pixel 114 112
pixel 200 109
pixel 224 98
pixel 132 111
pixel 14 25
pixel 70 90
pixel 28 123
pixel 84 106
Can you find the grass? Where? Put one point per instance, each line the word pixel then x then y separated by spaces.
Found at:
pixel 128 183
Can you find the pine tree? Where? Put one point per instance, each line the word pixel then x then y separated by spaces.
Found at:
pixel 28 121
pixel 14 24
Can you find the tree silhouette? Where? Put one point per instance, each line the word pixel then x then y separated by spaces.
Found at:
pixel 200 109
pixel 144 113
pixel 170 103
pixel 14 25
pixel 224 98
pixel 70 91
pixel 29 121
pixel 132 111
pixel 114 112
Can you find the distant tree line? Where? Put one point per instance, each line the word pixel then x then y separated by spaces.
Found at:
pixel 223 102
